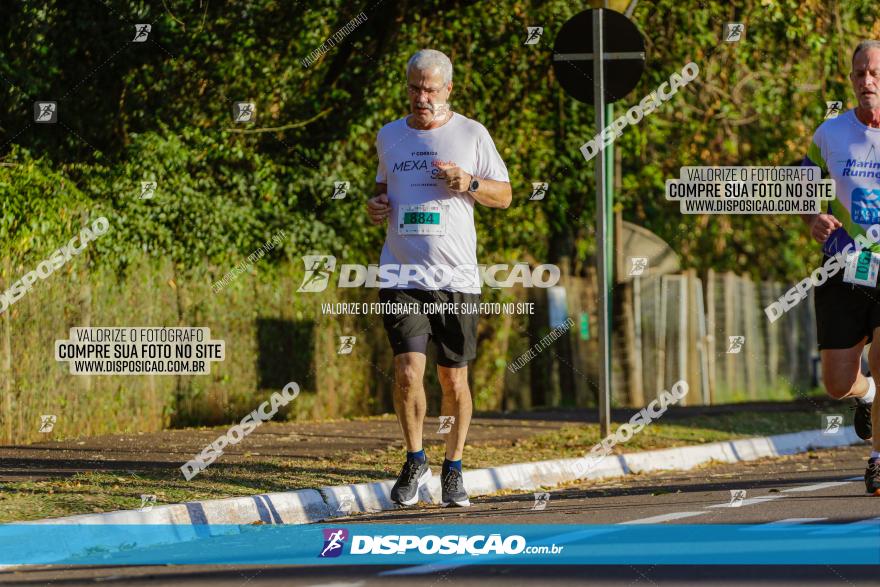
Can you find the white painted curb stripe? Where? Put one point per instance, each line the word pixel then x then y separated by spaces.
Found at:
pixel 310 505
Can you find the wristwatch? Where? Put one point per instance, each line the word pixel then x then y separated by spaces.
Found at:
pixel 474 186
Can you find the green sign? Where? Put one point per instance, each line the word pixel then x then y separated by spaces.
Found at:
pixel 585 326
pixel 421 218
pixel 864 265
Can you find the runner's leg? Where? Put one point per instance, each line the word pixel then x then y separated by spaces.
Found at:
pixel 456 402
pixel 841 372
pixel 874 365
pixel 409 397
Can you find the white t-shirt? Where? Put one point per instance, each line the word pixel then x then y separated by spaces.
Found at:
pixel 431 226
pixel 848 151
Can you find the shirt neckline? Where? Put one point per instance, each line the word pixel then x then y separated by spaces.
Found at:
pixel 452 116
pixel 860 124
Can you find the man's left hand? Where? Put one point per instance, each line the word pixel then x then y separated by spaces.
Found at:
pixel 457 179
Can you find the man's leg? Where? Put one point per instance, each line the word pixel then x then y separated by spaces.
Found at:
pixel 841 371
pixel 456 402
pixel 874 365
pixel 844 316
pixel 409 405
pixel 842 375
pixel 872 473
pixel 409 397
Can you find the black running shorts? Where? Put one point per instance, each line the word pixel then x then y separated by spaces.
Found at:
pixel 845 313
pixel 454 334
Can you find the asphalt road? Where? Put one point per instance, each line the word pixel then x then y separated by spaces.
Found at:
pixel 817 488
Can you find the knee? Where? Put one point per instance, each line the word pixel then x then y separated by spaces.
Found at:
pixel 407 378
pixel 454 385
pixel 837 385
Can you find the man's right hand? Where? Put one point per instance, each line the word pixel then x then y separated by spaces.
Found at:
pixel 822 225
pixel 378 208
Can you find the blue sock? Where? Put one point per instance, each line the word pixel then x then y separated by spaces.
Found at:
pixel 418 456
pixel 447 464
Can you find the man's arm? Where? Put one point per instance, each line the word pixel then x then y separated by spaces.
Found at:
pixel 491 193
pixel 378 207
pixel 494 194
pixel 821 225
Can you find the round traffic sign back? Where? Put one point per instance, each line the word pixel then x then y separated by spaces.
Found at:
pixel 623 47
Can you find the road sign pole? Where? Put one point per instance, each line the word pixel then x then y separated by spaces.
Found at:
pixel 609 219
pixel 601 230
pixel 582 39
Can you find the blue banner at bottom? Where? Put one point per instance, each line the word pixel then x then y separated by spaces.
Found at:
pixel 855 543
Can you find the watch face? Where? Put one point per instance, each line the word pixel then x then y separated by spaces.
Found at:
pixel 474 185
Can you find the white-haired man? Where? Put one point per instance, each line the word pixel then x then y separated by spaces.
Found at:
pixel 848 305
pixel 434 165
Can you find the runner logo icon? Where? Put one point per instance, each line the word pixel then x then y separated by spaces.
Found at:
pixel 340 188
pixel 832 423
pixel 534 35
pixel 346 345
pixel 47 423
pixel 541 499
pixel 141 32
pixel 539 190
pixel 148 190
pixel 244 112
pixel 334 540
pixel 736 498
pixel 318 271
pixel 446 423
pixel 832 108
pixel 733 31
pixel 639 264
pixel 735 343
pixel 45 112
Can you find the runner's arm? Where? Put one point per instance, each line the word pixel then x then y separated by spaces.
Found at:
pixel 821 225
pixel 494 194
pixel 378 207
pixel 491 193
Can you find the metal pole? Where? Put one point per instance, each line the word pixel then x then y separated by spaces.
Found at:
pixel 601 230
pixel 609 228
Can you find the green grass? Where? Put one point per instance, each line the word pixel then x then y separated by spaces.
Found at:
pixel 107 491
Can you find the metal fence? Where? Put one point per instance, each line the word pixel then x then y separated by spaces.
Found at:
pixel 715 334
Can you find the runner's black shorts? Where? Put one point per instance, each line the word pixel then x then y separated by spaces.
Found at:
pixel 455 335
pixel 845 313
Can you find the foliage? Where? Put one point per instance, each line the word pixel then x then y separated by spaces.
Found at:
pixel 161 110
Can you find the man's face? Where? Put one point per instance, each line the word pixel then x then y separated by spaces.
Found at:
pixel 865 78
pixel 426 91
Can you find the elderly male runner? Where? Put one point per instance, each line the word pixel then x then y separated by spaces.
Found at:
pixel 847 149
pixel 433 166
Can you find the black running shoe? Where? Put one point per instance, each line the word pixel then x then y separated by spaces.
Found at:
pixel 452 484
pixel 412 477
pixel 872 477
pixel 862 420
